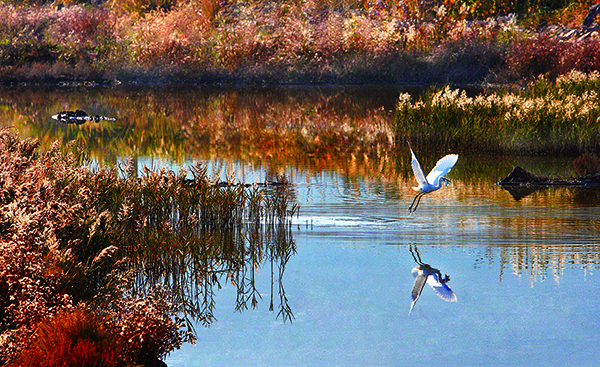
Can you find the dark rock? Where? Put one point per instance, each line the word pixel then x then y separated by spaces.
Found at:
pixel 591 16
pixel 520 183
pixel 519 176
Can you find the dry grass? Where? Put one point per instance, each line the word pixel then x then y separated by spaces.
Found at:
pixel 548 116
pixel 72 338
pixel 265 42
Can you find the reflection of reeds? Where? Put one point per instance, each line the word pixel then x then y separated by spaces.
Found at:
pixel 191 234
pixel 333 128
pixel 539 262
pixel 253 125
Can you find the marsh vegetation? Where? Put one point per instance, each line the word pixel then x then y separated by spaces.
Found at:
pixel 98 249
pixel 549 117
pixel 289 41
pixel 309 126
pixel 98 245
pixel 117 261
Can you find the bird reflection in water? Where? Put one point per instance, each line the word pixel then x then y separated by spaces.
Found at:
pixel 424 273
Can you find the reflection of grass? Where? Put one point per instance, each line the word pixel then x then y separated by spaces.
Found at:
pixel 73 237
pixel 182 124
pixel 333 128
pixel 542 262
pixel 190 234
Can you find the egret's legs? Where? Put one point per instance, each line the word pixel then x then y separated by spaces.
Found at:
pixel 418 200
pixel 417 258
pixel 413 207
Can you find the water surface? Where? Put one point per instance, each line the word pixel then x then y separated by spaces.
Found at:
pixel 524 273
pixel 524 269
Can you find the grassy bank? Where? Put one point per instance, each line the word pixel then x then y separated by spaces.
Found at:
pixel 546 117
pixel 287 41
pixel 89 251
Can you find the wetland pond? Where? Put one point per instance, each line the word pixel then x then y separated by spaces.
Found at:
pixel 524 268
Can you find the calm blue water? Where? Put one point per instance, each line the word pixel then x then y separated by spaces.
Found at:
pixel 524 272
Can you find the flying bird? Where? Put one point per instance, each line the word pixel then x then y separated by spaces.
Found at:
pixel 434 179
pixel 426 274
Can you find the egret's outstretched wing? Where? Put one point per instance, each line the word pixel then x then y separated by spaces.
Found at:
pixel 420 281
pixel 441 169
pixel 417 170
pixel 441 289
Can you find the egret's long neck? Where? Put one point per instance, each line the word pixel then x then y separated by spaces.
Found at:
pixel 440 182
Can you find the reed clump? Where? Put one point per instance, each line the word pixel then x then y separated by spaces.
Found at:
pixel 548 116
pixel 76 242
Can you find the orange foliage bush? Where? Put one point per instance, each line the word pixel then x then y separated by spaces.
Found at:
pixel 72 339
pixel 277 41
pixel 56 253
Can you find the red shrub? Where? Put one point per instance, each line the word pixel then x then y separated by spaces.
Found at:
pixel 56 252
pixel 535 56
pixel 583 56
pixel 586 164
pixel 75 338
pixel 544 55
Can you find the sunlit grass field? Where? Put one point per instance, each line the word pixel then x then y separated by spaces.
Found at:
pixel 289 41
pixel 545 117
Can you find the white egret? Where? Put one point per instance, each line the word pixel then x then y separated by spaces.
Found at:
pixel 434 179
pixel 426 274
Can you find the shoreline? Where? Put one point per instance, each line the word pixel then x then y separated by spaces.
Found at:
pixel 235 80
pixel 231 85
pixel 273 44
